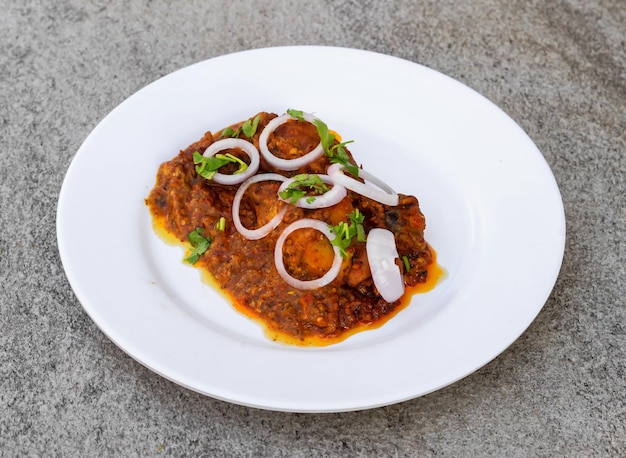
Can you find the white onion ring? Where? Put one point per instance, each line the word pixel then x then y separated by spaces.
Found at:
pixel 234 143
pixel 328 199
pixel 280 265
pixel 287 164
pixel 259 233
pixel 382 193
pixel 381 255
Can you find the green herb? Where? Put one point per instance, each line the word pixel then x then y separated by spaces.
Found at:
pixel 221 224
pixel 339 155
pixel 207 167
pixel 345 232
pixel 326 138
pixel 248 128
pixel 342 238
pixel 298 114
pixel 407 266
pixel 230 158
pixel 199 244
pixel 229 132
pixel 357 218
pixel 301 183
pixel 336 152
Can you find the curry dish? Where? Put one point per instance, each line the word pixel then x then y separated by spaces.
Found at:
pixel 273 254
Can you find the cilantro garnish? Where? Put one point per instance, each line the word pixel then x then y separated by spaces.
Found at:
pixel 248 128
pixel 407 265
pixel 336 152
pixel 199 244
pixel 221 224
pixel 298 114
pixel 345 232
pixel 339 155
pixel 207 167
pixel 230 132
pixel 301 183
pixel 356 220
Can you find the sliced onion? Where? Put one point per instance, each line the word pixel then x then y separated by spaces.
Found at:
pixel 234 143
pixel 287 164
pixel 381 255
pixel 259 233
pixel 280 265
pixel 328 199
pixel 380 192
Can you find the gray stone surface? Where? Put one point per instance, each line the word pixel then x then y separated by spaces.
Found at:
pixel 557 68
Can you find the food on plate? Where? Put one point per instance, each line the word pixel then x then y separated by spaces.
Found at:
pixel 291 229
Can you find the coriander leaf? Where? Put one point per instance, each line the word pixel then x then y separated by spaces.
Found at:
pixel 407 266
pixel 195 237
pixel 250 126
pixel 311 181
pixel 344 232
pixel 199 245
pixel 336 152
pixel 298 114
pixel 342 237
pixel 357 218
pixel 326 138
pixel 230 132
pixel 207 167
pixel 360 233
pixel 292 194
pixel 302 182
pixel 230 158
pixel 221 224
pixel 339 155
pixel 352 169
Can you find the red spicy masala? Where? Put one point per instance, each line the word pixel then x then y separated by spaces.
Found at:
pixel 282 289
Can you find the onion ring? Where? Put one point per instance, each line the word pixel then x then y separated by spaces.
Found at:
pixel 280 265
pixel 287 164
pixel 234 143
pixel 382 193
pixel 381 256
pixel 259 233
pixel 328 199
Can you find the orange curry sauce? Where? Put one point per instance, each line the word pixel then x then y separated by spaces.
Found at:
pixel 243 271
pixel 435 274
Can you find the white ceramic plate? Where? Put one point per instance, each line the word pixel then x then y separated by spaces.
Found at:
pixel 493 210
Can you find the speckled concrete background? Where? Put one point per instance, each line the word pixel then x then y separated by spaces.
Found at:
pixel 557 68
